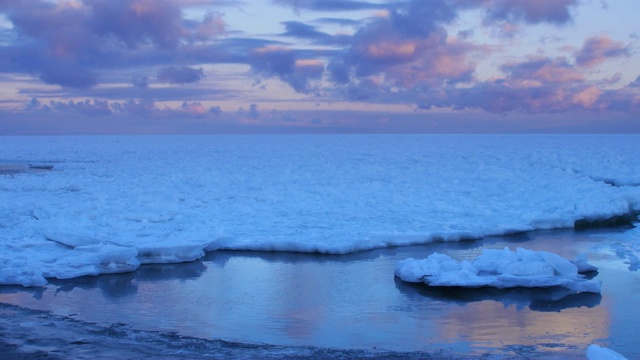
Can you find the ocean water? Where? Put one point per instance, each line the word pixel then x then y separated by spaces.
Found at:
pixel 291 241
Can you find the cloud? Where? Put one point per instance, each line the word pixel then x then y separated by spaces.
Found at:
pixel 140 81
pixel 329 5
pixel 513 11
pixel 536 85
pixel 542 70
pixel 338 21
pixel 180 75
pixel 586 98
pixel 528 11
pixel 410 49
pixel 194 108
pixel 273 60
pixel 301 30
pixel 504 96
pixel 598 49
pixel 283 63
pixel 407 50
pixel 253 111
pixel 420 18
pixel 82 37
pixel 407 55
pixel 403 53
pixel 144 108
pixel 210 27
pixel 68 74
pixel 93 107
pixel 305 31
pixel 136 22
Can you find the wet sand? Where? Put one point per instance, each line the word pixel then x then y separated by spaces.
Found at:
pixel 35 334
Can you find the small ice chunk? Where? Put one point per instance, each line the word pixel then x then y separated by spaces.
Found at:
pixel 499 269
pixel 595 352
pixel 583 265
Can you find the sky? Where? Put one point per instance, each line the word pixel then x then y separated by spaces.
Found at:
pixel 319 66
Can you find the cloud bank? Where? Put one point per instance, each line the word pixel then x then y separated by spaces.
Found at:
pixel 397 52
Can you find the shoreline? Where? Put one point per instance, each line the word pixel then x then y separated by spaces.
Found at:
pixel 40 335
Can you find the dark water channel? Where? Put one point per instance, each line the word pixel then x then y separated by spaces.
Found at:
pixel 354 302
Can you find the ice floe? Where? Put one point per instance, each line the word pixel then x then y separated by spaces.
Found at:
pixel 499 269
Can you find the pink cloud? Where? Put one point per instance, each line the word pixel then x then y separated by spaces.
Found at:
pixel 587 98
pixel 384 57
pixel 537 85
pixel 543 70
pixel 598 49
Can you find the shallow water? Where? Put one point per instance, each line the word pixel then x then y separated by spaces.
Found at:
pixel 354 302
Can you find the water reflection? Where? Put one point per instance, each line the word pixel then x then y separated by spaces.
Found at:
pixel 116 286
pixel 36 293
pixel 541 299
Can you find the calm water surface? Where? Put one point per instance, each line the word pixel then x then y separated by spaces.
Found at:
pixel 354 301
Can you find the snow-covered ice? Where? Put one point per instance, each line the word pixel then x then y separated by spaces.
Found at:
pixel 111 203
pixel 595 352
pixel 500 269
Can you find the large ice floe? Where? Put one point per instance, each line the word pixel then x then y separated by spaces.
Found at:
pixel 501 269
pixel 93 205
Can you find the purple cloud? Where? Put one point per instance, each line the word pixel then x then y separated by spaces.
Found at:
pixel 402 53
pixel 81 38
pixel 141 108
pixel 93 107
pixel 528 11
pixel 514 11
pixel 598 49
pixel 136 22
pixel 329 5
pixel 140 81
pixel 421 18
pixel 406 50
pixel 284 63
pixel 338 21
pixel 180 75
pixel 409 56
pixel 409 49
pixel 536 85
pixel 68 75
pixel 301 30
pixel 210 27
pixel 543 70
